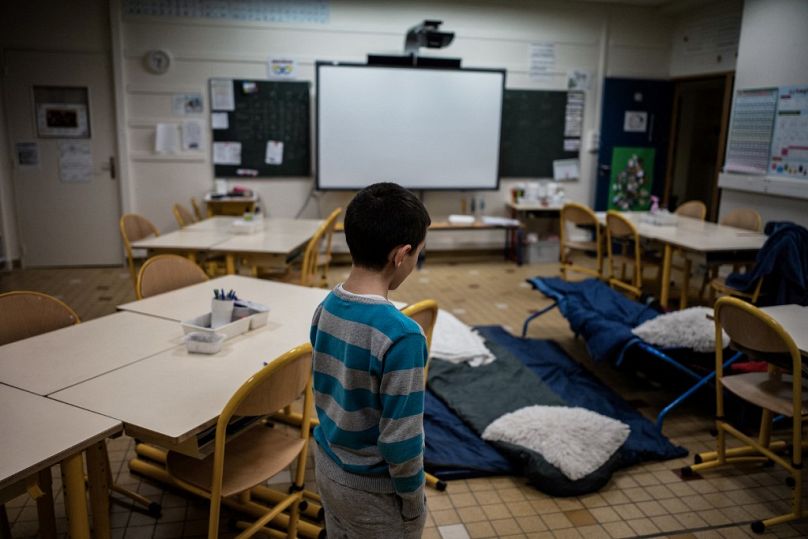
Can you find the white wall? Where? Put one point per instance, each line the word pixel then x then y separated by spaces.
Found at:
pixel 705 38
pixel 771 53
pixel 488 34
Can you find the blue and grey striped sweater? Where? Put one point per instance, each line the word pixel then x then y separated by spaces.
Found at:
pixel 369 394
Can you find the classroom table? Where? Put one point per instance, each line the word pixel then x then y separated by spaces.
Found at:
pixel 278 240
pixel 39 432
pixel 794 319
pixel 58 359
pixel 713 240
pixel 229 205
pixel 192 301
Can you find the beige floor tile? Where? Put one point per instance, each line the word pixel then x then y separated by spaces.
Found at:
pixel 438 502
pixel 480 530
pixel 455 531
pixel 618 530
pixel 651 508
pixel 506 526
pixel 471 514
pixel 521 509
pixel 462 499
pixel 511 495
pixel 486 497
pixel 628 511
pixel 605 514
pixel 643 526
pixel 556 521
pixel 595 531
pixel 545 505
pixel 496 511
pixel 445 517
pixel 666 523
pixel 567 533
pixel 532 523
pixel 580 517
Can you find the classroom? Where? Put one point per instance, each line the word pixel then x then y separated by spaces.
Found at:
pixel 443 269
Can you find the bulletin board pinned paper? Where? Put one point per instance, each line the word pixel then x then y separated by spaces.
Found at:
pixel 268 122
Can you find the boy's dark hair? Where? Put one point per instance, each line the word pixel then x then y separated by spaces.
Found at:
pixel 381 217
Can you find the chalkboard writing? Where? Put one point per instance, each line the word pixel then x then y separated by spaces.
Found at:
pixel 268 111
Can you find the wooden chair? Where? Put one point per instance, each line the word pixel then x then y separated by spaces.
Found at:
pixel 183 216
pixel 778 391
pixel 621 231
pixel 258 454
pixel 135 227
pixel 743 218
pixel 695 209
pixel 25 314
pixel 579 215
pixel 425 312
pixel 163 273
pixel 317 256
pixel 197 209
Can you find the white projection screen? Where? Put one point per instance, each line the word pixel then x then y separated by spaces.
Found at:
pixel 423 128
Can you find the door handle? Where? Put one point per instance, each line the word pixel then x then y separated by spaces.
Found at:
pixel 112 172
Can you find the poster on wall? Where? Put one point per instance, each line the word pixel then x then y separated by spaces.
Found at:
pixel 27 154
pixel 190 103
pixel 789 149
pixel 75 161
pixel 632 179
pixel 750 131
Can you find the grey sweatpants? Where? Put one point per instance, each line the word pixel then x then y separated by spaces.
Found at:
pixel 356 514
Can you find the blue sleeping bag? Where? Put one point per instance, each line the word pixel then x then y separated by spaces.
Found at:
pixel 603 316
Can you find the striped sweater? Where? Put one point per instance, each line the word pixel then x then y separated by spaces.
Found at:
pixel 369 394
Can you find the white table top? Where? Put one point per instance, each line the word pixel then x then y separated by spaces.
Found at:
pixel 174 394
pixel 794 319
pixel 696 235
pixel 280 236
pixel 200 240
pixel 39 432
pixel 61 358
pixel 219 223
pixel 190 301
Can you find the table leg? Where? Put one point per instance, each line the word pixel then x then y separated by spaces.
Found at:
pixel 75 498
pixel 98 475
pixel 230 262
pixel 44 504
pixel 666 276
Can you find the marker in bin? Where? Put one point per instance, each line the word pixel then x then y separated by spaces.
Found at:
pixel 219 294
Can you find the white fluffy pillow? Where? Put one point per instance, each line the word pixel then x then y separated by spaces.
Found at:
pixel 577 441
pixel 689 328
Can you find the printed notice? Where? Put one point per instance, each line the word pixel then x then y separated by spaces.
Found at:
pixel 75 161
pixel 28 154
pixel 219 120
pixel 541 60
pixel 226 153
pixel 566 169
pixel 192 135
pixel 274 153
pixel 182 104
pixel 166 138
pixel 221 94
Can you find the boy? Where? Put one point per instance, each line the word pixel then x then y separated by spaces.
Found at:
pixel 369 376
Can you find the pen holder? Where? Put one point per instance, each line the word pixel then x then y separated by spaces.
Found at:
pixel 221 312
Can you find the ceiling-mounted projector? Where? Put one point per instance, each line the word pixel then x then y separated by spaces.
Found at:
pixel 427 35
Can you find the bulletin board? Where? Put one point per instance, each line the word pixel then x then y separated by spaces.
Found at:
pixel 255 113
pixel 539 127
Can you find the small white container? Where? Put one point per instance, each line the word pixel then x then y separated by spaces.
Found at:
pixel 257 312
pixel 221 311
pixel 198 342
pixel 202 324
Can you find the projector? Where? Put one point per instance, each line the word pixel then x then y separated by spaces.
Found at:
pixel 427 35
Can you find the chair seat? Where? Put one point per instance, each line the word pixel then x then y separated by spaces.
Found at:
pixel 250 458
pixel 758 388
pixel 581 245
pixel 719 284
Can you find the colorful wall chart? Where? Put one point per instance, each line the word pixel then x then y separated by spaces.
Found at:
pixel 789 149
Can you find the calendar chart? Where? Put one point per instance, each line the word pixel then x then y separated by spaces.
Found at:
pixel 789 148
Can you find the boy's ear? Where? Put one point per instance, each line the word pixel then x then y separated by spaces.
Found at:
pixel 399 253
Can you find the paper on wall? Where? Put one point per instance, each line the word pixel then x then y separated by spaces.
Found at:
pixel 191 135
pixel 27 154
pixel 191 103
pixel 566 169
pixel 281 68
pixel 541 60
pixel 274 153
pixel 226 153
pixel 166 138
pixel 221 94
pixel 219 120
pixel 75 161
pixel 572 144
pixel 578 79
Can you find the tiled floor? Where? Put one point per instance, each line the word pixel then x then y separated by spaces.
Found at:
pixel 649 500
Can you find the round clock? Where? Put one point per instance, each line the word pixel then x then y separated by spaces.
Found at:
pixel 157 61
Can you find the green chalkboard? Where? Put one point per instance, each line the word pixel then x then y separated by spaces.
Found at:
pixel 533 123
pixel 267 111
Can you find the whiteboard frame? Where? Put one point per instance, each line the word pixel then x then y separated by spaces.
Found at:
pixel 321 63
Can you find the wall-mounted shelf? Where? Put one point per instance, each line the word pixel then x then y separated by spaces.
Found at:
pixel 769 185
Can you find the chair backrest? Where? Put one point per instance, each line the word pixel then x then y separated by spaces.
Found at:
pixel 163 273
pixel 578 214
pixel 319 245
pixel 182 215
pixel 694 209
pixel 197 209
pixel 26 314
pixel 745 218
pixel 424 312
pixel 134 227
pixel 620 230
